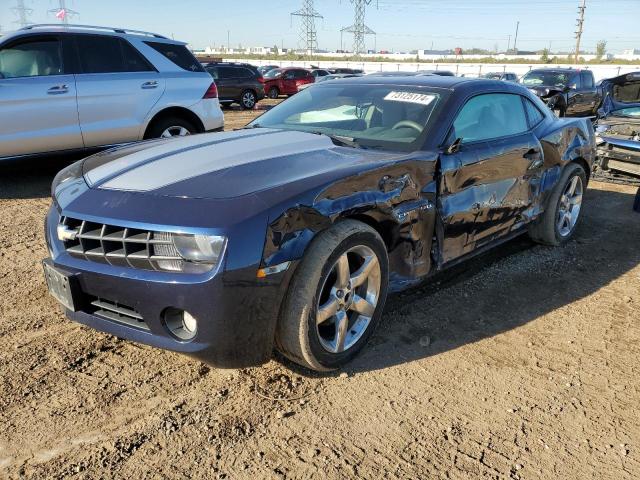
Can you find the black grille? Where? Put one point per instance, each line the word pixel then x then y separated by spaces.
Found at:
pixel 118 313
pixel 120 246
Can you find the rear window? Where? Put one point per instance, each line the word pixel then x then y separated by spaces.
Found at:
pixel 179 55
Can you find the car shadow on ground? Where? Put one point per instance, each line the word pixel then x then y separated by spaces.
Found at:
pixel 504 289
pixel 30 178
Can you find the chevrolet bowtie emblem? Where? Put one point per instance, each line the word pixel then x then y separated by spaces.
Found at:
pixel 66 234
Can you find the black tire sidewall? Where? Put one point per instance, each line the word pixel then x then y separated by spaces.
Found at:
pixel 274 92
pixel 159 126
pixel 327 359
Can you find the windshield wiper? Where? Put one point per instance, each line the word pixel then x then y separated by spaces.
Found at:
pixel 341 140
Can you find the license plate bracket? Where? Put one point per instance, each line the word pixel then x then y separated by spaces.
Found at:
pixel 60 285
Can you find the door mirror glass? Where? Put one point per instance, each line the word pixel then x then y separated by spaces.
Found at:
pixel 572 86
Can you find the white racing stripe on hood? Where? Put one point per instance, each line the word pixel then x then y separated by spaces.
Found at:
pixel 199 161
pixel 168 147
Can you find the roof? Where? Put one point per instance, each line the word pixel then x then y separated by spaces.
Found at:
pixel 69 28
pixel 418 81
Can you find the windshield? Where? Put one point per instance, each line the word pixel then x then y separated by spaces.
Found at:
pixel 627 112
pixel 558 79
pixel 372 115
pixel 276 72
pixel 492 76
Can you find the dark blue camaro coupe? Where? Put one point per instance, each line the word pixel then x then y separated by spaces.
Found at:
pixel 290 232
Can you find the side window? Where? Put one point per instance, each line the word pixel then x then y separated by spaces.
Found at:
pixel 32 58
pixel 534 115
pixel 587 79
pixel 178 54
pixel 575 80
pixel 225 73
pixel 213 71
pixel 491 115
pixel 133 59
pixel 244 73
pixel 290 75
pixel 100 54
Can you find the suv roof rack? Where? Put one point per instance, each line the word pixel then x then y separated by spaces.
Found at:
pixel 94 27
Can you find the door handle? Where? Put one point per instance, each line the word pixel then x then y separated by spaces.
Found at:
pixel 58 90
pixel 148 85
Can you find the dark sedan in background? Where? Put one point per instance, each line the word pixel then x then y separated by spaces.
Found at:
pixel 291 232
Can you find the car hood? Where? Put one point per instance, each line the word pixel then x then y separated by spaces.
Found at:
pixel 620 92
pixel 227 165
pixel 544 90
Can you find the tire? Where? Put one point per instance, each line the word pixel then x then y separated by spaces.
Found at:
pixel 170 127
pixel 316 283
pixel 557 106
pixel 547 229
pixel 248 100
pixel 274 92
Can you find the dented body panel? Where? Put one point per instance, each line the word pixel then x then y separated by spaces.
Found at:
pixel 271 192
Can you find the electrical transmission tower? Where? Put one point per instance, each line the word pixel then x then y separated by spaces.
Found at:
pixel 62 12
pixel 359 29
pixel 580 25
pixel 23 13
pixel 308 33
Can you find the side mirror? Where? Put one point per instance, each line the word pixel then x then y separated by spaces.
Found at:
pixel 454 147
pixel 572 86
pixel 1 75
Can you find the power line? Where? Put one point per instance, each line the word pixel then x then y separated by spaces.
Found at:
pixel 580 26
pixel 308 32
pixel 359 28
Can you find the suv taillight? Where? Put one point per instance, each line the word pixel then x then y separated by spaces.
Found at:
pixel 261 79
pixel 212 91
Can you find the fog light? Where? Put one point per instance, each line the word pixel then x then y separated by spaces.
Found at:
pixel 180 323
pixel 189 323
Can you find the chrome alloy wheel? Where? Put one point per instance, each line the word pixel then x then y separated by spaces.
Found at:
pixel 248 100
pixel 175 131
pixel 569 208
pixel 348 299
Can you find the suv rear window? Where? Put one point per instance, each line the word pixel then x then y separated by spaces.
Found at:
pixel 179 55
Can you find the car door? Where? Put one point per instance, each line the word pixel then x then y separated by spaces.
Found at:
pixel 37 97
pixel 289 82
pixel 489 182
pixel 590 95
pixel 575 96
pixel 117 88
pixel 222 78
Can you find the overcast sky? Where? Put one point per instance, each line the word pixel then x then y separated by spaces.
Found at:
pixel 400 24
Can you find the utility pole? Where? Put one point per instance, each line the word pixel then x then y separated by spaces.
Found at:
pixel 228 42
pixel 509 44
pixel 515 40
pixel 359 29
pixel 308 33
pixel 23 13
pixel 580 26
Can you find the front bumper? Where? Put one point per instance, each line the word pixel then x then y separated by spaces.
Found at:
pixel 619 155
pixel 236 312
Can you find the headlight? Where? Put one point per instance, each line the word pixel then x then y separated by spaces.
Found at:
pixel 71 172
pixel 188 253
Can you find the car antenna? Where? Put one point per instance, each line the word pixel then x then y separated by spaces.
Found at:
pixel 454 147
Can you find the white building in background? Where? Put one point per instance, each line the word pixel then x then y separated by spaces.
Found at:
pixel 631 54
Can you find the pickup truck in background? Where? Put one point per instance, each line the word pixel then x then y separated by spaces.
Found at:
pixel 567 91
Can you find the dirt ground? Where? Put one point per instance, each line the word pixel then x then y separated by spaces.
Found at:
pixel 522 363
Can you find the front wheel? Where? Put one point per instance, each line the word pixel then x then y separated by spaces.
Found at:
pixel 336 297
pixel 248 100
pixel 559 221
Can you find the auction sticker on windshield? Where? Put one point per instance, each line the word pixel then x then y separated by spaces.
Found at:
pixel 410 97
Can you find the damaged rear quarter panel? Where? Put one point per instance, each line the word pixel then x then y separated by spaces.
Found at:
pixel 397 198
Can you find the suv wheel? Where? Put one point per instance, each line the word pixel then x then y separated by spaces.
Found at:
pixel 274 92
pixel 336 297
pixel 171 127
pixel 248 100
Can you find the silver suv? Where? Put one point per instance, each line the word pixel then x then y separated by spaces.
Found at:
pixel 78 87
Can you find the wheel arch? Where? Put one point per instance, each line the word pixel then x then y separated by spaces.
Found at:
pixel 180 112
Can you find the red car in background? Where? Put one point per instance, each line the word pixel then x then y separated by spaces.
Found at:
pixel 285 81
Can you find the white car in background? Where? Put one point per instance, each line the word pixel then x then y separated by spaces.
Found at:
pixel 73 87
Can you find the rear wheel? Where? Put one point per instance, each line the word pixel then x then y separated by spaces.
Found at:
pixel 274 92
pixel 171 127
pixel 559 221
pixel 336 297
pixel 248 99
